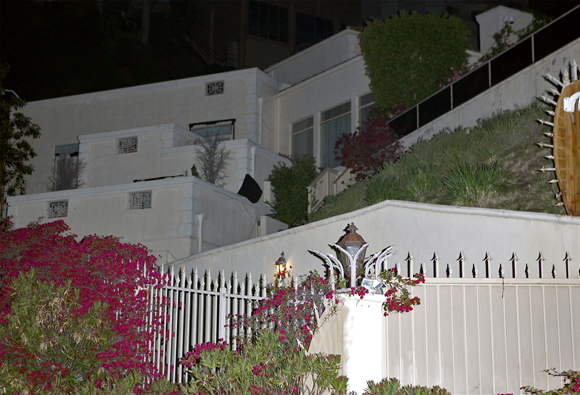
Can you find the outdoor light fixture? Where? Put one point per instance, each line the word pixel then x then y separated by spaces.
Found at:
pixel 352 248
pixel 280 267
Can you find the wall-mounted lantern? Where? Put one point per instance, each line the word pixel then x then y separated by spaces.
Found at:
pixel 281 270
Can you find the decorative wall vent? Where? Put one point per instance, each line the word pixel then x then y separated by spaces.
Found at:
pixel 139 200
pixel 58 209
pixel 214 88
pixel 127 145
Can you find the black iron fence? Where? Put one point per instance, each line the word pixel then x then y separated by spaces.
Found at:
pixel 538 45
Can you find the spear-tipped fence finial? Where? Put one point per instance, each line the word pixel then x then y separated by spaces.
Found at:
pixel 514 259
pixel 548 100
pixel 544 145
pixel 555 80
pixel 545 169
pixel 487 261
pixel 566 78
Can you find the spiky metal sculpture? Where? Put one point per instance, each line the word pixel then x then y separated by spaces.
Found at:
pixel 565 139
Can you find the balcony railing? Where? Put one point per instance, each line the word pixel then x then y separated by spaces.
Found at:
pixel 538 45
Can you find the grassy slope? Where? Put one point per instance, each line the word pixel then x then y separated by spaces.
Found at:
pixel 493 164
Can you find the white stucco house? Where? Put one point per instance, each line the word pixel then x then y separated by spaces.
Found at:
pixel 137 147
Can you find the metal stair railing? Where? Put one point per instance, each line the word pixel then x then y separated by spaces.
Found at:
pixel 536 46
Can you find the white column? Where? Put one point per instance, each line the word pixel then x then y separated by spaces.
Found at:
pixel 362 355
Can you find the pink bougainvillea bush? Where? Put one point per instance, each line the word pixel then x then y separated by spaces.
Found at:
pixel 97 280
pixel 571 383
pixel 290 311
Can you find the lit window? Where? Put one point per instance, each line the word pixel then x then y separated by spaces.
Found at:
pixel 127 145
pixel 302 138
pixel 223 129
pixel 214 88
pixel 58 209
pixel 139 200
pixel 365 103
pixel 333 124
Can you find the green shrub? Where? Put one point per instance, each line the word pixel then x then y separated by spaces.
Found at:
pixel 381 188
pixel 289 185
pixel 471 185
pixel 263 367
pixel 392 386
pixel 404 67
pixel 47 337
pixel 53 349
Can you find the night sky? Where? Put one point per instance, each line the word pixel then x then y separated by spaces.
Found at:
pixel 60 48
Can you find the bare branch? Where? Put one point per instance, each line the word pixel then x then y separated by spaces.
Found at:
pixel 212 160
pixel 66 174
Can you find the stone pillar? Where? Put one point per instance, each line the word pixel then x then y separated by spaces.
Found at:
pixel 362 348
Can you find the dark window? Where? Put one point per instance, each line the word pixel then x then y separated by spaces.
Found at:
pixel 268 21
pixel 311 29
pixel 303 138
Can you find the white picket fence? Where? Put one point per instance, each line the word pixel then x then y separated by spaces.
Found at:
pixel 197 311
pixel 199 305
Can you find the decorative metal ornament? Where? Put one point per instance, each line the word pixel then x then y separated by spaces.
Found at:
pixel 352 248
pixel 566 140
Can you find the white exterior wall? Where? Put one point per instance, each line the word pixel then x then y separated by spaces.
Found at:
pixel 492 21
pixel 318 94
pixel 170 225
pixel 159 154
pixel 181 102
pixel 317 58
pixel 419 229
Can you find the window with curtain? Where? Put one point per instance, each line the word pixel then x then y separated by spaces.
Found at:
pixel 224 130
pixel 302 138
pixel 365 103
pixel 333 123
pixel 66 170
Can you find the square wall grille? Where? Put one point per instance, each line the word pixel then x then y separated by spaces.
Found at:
pixel 58 209
pixel 128 145
pixel 139 200
pixel 214 88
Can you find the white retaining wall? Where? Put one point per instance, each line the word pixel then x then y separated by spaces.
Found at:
pixel 421 229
